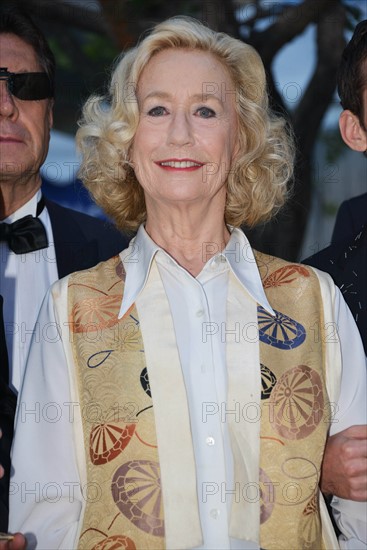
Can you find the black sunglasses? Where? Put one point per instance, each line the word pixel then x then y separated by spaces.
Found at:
pixel 27 86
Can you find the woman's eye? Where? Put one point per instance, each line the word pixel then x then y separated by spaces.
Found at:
pixel 205 112
pixel 157 111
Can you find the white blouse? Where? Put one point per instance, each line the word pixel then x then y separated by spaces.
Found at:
pixel 46 496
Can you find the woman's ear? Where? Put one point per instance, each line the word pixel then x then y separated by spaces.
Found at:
pixel 352 132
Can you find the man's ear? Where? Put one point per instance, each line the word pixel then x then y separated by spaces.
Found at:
pixel 352 132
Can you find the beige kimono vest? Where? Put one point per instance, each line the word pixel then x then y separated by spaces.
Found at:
pixel 124 506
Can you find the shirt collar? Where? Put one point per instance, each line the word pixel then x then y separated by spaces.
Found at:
pixel 241 259
pixel 138 257
pixel 29 208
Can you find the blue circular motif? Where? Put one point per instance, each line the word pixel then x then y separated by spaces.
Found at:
pixel 280 331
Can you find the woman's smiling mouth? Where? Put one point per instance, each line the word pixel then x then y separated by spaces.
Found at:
pixel 180 164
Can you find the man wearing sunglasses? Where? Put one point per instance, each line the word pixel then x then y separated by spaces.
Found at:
pixel 40 241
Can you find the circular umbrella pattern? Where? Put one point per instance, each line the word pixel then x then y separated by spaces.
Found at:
pixel 108 440
pixel 115 542
pixel 285 275
pixel 298 402
pixel 136 490
pixel 280 330
pixel 93 314
pixel 268 381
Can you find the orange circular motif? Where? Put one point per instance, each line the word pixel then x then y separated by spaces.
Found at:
pixel 116 542
pixel 95 314
pixel 297 403
pixel 108 440
pixel 285 275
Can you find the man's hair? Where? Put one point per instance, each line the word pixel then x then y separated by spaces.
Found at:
pixel 257 180
pixel 352 78
pixel 14 20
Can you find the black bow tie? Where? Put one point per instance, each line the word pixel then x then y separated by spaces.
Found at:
pixel 25 235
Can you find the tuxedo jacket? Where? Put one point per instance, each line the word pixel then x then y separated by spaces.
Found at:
pixel 81 241
pixel 346 259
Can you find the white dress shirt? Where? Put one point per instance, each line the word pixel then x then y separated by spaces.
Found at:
pixel 24 281
pixel 198 306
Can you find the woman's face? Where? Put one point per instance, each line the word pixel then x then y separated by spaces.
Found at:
pixel 186 138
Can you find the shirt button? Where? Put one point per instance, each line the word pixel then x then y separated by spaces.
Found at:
pixel 214 513
pixel 210 440
pixel 200 313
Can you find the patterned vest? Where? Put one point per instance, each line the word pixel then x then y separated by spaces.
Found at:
pixel 124 508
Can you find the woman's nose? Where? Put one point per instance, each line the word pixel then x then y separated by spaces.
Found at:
pixel 180 130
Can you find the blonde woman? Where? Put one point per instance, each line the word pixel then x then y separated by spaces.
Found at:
pixel 184 390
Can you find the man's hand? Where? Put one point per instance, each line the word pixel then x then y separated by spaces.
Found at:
pixel 344 467
pixel 17 543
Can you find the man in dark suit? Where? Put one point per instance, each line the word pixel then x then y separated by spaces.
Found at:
pixel 346 261
pixel 346 257
pixel 351 216
pixel 40 241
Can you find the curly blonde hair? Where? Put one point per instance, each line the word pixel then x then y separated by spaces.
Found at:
pixel 257 182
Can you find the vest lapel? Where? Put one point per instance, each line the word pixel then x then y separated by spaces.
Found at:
pixel 176 456
pixel 243 370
